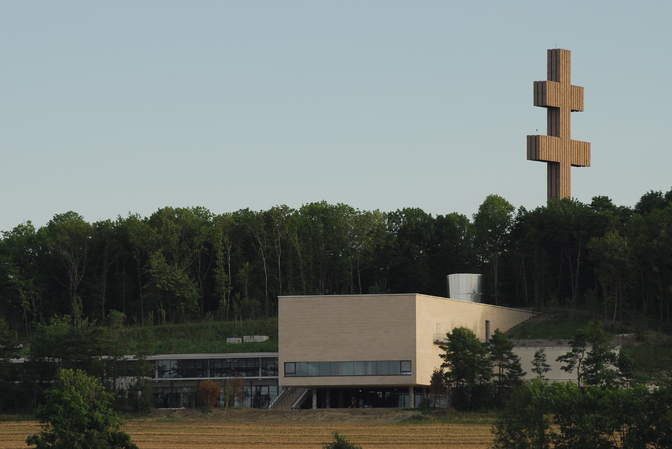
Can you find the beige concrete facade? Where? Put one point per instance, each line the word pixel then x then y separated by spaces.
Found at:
pixel 375 328
pixel 552 351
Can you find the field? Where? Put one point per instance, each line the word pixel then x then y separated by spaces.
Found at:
pixel 301 429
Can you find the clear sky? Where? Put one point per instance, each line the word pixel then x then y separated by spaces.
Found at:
pixel 114 107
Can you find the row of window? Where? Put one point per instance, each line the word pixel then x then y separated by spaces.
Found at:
pixel 355 368
pixel 203 368
pixel 257 396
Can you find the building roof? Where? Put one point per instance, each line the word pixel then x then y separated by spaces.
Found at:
pixel 442 298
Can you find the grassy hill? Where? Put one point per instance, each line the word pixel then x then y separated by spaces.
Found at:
pixel 552 325
pixel 207 336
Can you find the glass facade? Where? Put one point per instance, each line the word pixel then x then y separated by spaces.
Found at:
pixel 215 368
pixel 368 397
pixel 259 396
pixel 252 394
pixel 354 368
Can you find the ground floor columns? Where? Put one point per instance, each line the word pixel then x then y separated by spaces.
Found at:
pixel 314 391
pixel 411 397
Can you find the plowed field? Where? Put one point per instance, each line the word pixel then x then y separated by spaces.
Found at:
pixel 278 430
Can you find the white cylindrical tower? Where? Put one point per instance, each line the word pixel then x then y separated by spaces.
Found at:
pixel 465 286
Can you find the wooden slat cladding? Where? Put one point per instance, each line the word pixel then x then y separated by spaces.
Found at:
pixel 557 148
pixel 554 149
pixel 553 94
pixel 576 99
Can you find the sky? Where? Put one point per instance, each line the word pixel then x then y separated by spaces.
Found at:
pixel 110 108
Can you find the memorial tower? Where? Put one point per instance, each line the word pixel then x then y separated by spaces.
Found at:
pixel 557 148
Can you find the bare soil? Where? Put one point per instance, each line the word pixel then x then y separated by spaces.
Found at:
pixel 296 429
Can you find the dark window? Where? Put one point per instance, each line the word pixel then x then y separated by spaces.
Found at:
pixel 269 367
pixel 354 368
pixel 192 368
pixel 220 368
pixel 167 369
pixel 235 368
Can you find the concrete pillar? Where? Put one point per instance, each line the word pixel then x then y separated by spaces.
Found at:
pixel 327 399
pixel 411 396
pixel 314 398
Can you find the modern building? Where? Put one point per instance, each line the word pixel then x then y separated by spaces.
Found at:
pixel 337 351
pixel 373 350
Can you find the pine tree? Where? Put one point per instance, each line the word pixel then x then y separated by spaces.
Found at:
pixel 467 366
pixel 508 371
pixel 539 365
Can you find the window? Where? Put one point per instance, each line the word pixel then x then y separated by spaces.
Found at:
pixel 239 367
pixel 269 367
pixel 487 330
pixel 192 368
pixel 166 369
pixel 348 368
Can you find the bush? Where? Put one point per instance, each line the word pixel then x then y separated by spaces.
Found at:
pixel 233 392
pixel 340 443
pixel 208 394
pixel 564 416
pixel 78 415
pixel 524 424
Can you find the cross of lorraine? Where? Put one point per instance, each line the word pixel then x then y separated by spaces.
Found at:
pixel 557 148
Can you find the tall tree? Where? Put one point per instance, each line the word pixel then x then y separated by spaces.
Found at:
pixel 493 223
pixel 600 365
pixel 278 221
pixel 466 363
pixel 539 365
pixel 574 358
pixel 20 275
pixel 255 225
pixel 611 259
pixel 508 372
pixel 105 248
pixel 68 237
pixel 222 246
pixel 412 231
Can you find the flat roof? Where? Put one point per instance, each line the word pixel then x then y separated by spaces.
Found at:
pixel 442 298
pixel 212 355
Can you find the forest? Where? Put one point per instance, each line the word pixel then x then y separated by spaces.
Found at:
pixel 188 264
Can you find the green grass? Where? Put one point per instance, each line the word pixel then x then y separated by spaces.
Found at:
pixel 651 355
pixel 555 325
pixel 208 336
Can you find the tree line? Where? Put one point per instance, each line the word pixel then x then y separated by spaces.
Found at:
pixel 181 264
pixel 484 374
pixel 608 406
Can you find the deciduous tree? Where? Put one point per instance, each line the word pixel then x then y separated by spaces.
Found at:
pixel 78 415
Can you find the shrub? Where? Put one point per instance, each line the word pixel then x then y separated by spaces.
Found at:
pixel 78 415
pixel 233 392
pixel 523 424
pixel 589 417
pixel 340 443
pixel 208 393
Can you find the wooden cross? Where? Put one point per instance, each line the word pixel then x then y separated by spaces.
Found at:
pixel 557 148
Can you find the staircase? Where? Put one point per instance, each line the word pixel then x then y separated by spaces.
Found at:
pixel 289 398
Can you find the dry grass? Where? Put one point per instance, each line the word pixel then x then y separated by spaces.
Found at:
pixel 306 429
